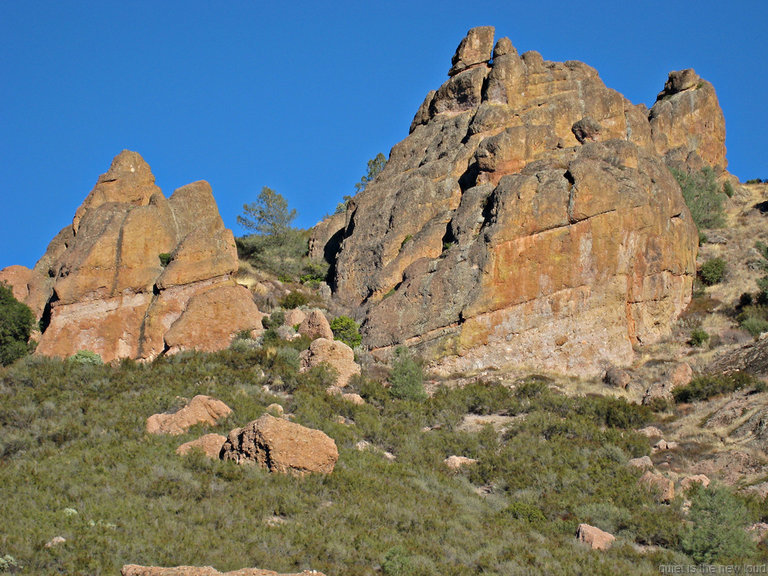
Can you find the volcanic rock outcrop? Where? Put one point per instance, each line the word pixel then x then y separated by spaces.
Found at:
pixel 137 274
pixel 528 219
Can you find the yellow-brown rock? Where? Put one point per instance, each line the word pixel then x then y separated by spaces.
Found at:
pixel 527 219
pixel 209 444
pixel 134 267
pixel 200 410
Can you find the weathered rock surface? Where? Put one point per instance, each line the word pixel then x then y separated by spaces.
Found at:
pixel 527 219
pixel 690 481
pixel 136 570
pixel 102 285
pixel 209 444
pixel 458 462
pixel 199 410
pixel 662 487
pixel 281 446
pixel 596 539
pixel 315 325
pixel 687 123
pixel 335 354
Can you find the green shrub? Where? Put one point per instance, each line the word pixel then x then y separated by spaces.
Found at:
pixel 698 337
pixel 703 197
pixel 406 379
pixel 708 385
pixel 755 326
pixel 274 320
pixel 396 562
pixel 347 330
pixel 284 255
pixel 728 189
pixel 86 357
pixel 713 271
pixel 717 530
pixel 165 259
pixel 293 300
pixel 16 323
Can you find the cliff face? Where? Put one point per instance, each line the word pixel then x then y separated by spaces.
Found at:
pixel 103 285
pixel 528 219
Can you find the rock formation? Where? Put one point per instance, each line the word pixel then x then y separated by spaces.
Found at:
pixel 209 444
pixel 528 219
pixel 281 446
pixel 594 537
pixel 335 354
pixel 137 274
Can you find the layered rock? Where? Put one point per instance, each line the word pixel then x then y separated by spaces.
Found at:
pixel 138 274
pixel 527 219
pixel 281 446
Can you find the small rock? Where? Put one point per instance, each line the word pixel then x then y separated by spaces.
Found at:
pixel 294 317
pixel 689 481
pixel 758 531
pixel 586 129
pixel 651 432
pixel 336 354
pixel 353 398
pixel 662 445
pixel 663 487
pixel 200 410
pixel 210 445
pixel 597 539
pixel 458 462
pixel 644 463
pixel 617 378
pixel 55 541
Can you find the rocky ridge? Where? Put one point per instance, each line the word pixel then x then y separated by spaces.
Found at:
pixel 137 274
pixel 529 218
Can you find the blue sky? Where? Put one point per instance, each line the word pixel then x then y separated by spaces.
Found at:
pixel 298 97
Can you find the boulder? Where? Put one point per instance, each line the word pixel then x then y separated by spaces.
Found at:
pixel 210 445
pixel 690 481
pixel 528 219
pixel 617 378
pixel 135 266
pixel 281 446
pixel 643 463
pixel 315 325
pixel 458 462
pixel 335 354
pixel 594 537
pixel 651 432
pixel 662 487
pixel 136 570
pixel 294 317
pixel 199 410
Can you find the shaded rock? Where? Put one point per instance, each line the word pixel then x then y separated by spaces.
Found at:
pixel 596 539
pixel 458 462
pixel 281 446
pixel 199 410
pixel 135 265
pixel 353 398
pixel 494 237
pixel 136 570
pixel 758 531
pixel 617 378
pixel 326 237
pixel 662 445
pixel 210 445
pixel 335 354
pixel 276 410
pixel 28 286
pixel 752 357
pixel 643 463
pixel 689 481
pixel 315 325
pixel 663 487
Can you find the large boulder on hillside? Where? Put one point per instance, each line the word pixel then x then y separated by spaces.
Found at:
pixel 281 446
pixel 335 354
pixel 135 267
pixel 527 219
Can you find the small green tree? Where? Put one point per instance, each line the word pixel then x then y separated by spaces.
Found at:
pixel 16 324
pixel 406 379
pixel 717 533
pixel 269 215
pixel 347 330
pixel 713 271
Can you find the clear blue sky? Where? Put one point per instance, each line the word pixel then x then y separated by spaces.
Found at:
pixel 299 96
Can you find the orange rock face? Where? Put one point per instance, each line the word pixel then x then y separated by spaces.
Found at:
pixel 281 446
pixel 528 219
pixel 199 410
pixel 135 269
